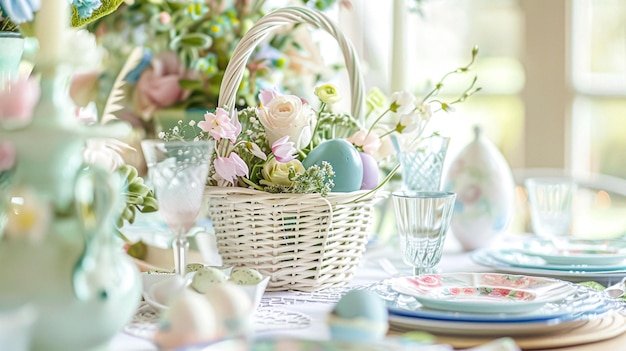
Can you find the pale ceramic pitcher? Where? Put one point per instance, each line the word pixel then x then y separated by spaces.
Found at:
pixel 58 252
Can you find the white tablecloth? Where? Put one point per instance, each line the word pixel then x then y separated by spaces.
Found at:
pixel 369 271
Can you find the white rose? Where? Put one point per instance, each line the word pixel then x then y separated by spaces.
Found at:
pixel 288 115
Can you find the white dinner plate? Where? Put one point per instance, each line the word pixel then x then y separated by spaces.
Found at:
pixel 520 258
pixel 483 292
pixel 485 258
pixel 577 251
pixel 584 299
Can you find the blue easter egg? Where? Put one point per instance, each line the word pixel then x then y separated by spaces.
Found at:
pixel 345 160
pixel 360 315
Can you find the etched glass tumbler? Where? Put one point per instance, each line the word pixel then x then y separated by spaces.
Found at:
pixel 178 171
pixel 422 163
pixel 422 220
pixel 551 205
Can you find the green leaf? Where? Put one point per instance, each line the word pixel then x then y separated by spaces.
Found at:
pixel 190 84
pixel 193 40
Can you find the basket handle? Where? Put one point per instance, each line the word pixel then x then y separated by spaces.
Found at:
pixel 261 29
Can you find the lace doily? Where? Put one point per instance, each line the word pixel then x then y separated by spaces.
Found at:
pixel 145 321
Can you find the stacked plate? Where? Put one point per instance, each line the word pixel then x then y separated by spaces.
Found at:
pixel 491 304
pixel 573 260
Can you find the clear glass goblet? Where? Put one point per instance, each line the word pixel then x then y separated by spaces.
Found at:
pixel 178 171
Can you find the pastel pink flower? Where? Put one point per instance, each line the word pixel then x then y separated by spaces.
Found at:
pixel 256 150
pixel 158 85
pixel 231 167
pixel 370 143
pixel 219 125
pixel 265 96
pixel 284 150
pixel 7 156
pixel 18 100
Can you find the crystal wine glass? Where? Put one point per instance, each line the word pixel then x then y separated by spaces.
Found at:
pixel 178 171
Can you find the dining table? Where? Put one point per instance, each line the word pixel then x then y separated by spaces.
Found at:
pixel 304 314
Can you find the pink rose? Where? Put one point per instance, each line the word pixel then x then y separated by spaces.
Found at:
pixel 158 86
pixel 18 100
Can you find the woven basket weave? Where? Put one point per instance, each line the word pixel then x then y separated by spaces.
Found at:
pixel 303 242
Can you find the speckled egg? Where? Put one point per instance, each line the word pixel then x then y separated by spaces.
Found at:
pixel 190 319
pixel 205 277
pixel 359 316
pixel 345 160
pixel 245 276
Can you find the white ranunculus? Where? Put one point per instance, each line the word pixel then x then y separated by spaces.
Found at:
pixel 288 115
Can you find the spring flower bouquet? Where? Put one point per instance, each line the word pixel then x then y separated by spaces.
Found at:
pixel 288 145
pixel 187 48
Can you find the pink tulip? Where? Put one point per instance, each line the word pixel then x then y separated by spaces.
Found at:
pixel 7 156
pixel 18 100
pixel 219 125
pixel 284 150
pixel 231 167
pixel 158 86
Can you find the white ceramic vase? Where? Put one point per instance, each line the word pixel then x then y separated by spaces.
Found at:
pixel 483 182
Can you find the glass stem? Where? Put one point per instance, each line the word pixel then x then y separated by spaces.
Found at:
pixel 180 246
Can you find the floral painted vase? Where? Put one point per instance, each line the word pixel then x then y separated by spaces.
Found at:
pixel 483 182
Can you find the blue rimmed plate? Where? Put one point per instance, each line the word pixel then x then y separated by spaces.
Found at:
pixel 400 304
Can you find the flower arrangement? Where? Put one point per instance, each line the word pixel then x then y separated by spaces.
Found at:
pixel 188 45
pixel 285 145
pixel 18 15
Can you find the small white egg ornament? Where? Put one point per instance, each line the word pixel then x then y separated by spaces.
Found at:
pixel 190 319
pixel 233 309
pixel 204 277
pixel 359 316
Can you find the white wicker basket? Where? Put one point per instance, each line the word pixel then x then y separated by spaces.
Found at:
pixel 303 242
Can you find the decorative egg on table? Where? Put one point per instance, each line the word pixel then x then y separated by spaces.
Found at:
pixel 345 160
pixel 359 316
pixel 190 319
pixel 233 308
pixel 204 277
pixel 485 202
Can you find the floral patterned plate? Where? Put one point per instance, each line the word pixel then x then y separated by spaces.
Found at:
pixel 483 292
pixel 581 301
